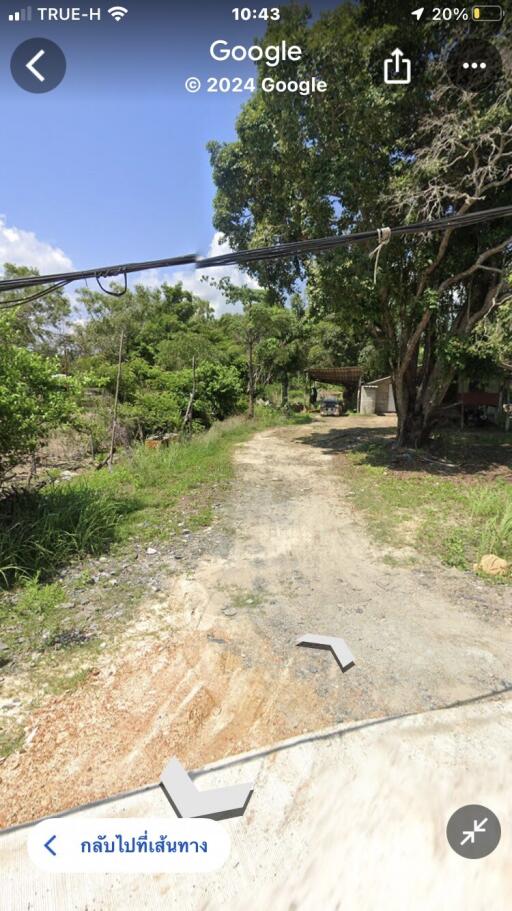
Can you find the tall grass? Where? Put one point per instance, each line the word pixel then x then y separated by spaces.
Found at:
pixel 457 522
pixel 491 510
pixel 42 531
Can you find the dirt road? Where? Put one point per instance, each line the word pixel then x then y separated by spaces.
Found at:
pixel 211 669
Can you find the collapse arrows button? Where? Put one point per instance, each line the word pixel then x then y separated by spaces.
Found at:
pixel 338 647
pixel 187 801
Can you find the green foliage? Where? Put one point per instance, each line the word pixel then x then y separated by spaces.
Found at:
pixel 455 521
pixel 34 398
pixel 487 351
pixel 35 325
pixel 360 157
pixel 150 318
pixel 219 390
pixel 491 509
pixel 165 330
pixel 39 599
pixel 160 404
pixel 41 531
pixel 153 412
pixel 492 338
pixel 177 352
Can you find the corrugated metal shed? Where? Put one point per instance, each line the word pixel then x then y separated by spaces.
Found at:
pixel 338 376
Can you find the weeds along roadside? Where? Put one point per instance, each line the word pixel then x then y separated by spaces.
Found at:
pixel 450 519
pixel 43 531
pixel 52 629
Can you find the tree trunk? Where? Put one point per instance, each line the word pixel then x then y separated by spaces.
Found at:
pixel 416 405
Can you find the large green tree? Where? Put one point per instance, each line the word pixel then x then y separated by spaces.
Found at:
pixel 366 155
pixel 148 316
pixel 37 324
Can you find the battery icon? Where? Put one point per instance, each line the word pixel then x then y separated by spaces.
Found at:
pixel 487 13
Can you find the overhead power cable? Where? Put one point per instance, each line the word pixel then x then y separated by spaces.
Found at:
pixel 30 281
pixel 246 257
pixel 10 304
pixel 295 248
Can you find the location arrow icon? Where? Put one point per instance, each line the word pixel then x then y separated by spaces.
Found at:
pixel 338 647
pixel 187 801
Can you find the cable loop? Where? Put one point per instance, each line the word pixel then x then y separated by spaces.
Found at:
pixel 114 293
pixel 383 237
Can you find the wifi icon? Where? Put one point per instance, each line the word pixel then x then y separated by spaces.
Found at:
pixel 118 12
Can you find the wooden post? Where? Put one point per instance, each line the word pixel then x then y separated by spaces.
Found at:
pixel 189 412
pixel 116 400
pixel 33 468
pixel 250 410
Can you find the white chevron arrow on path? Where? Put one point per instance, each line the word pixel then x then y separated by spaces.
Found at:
pixel 338 647
pixel 219 803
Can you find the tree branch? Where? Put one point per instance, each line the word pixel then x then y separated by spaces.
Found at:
pixel 455 279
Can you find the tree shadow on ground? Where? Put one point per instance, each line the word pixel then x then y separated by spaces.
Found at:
pixel 451 454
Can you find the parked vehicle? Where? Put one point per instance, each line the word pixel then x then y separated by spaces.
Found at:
pixel 332 406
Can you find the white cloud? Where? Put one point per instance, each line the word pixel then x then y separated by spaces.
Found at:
pixel 23 248
pixel 192 278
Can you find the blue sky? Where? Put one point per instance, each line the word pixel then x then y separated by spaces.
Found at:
pixel 112 163
pixel 111 166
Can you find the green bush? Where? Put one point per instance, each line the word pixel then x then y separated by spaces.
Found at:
pixel 153 412
pixel 33 398
pixel 159 407
pixel 41 531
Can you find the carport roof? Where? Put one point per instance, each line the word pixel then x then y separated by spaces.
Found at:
pixel 338 376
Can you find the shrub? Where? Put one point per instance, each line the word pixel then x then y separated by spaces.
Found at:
pixel 33 398
pixel 40 531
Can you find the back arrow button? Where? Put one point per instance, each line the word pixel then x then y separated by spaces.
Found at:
pixel 51 67
pixel 48 843
pixel 30 65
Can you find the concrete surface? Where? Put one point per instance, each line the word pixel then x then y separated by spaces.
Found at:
pixel 353 817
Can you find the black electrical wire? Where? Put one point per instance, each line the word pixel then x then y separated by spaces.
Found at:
pixel 321 244
pixel 8 305
pixel 114 293
pixel 258 254
pixel 30 281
